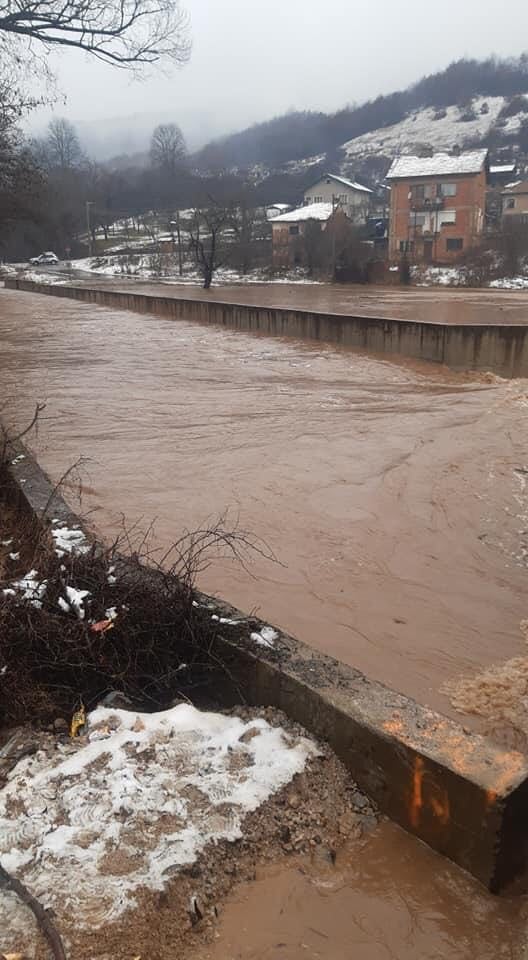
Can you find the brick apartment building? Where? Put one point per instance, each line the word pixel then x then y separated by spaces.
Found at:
pixel 438 204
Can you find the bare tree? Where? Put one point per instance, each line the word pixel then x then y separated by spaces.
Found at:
pixel 123 33
pixel 167 147
pixel 21 179
pixel 62 145
pixel 207 239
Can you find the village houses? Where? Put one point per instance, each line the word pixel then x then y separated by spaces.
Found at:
pixel 438 205
pixel 331 196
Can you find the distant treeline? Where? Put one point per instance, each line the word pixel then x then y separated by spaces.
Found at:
pixel 295 136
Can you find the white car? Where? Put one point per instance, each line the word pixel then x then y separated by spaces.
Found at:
pixel 45 258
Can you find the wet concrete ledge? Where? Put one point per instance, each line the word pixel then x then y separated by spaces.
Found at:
pixel 500 348
pixel 456 791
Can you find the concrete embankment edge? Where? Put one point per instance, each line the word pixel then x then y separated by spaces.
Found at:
pixel 454 790
pixel 501 348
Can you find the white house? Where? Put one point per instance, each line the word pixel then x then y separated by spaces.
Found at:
pixel 352 198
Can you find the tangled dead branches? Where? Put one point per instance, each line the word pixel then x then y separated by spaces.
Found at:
pixel 143 631
pixel 139 630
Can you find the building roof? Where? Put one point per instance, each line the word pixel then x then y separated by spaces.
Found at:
pixel 278 206
pixel 503 168
pixel 351 184
pixel 441 164
pixel 519 186
pixel 312 211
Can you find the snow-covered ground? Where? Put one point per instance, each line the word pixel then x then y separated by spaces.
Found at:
pixel 458 277
pixel 510 283
pixel 420 129
pixel 439 276
pixel 88 822
pixel 164 269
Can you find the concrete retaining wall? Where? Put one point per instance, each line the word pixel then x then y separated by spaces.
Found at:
pixel 459 793
pixel 502 349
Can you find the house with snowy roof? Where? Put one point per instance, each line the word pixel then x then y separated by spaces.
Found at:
pixel 351 197
pixel 293 233
pixel 515 201
pixel 438 205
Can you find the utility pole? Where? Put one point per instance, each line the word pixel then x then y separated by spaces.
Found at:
pixel 176 223
pixel 89 203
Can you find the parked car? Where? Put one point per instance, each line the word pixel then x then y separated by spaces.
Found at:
pixel 45 258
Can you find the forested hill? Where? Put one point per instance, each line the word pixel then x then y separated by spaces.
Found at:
pixel 296 136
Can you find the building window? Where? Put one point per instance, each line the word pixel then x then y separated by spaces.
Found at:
pixel 406 246
pixel 454 243
pixel 510 203
pixel 418 219
pixel 421 191
pixel 447 218
pixel 447 190
pixel 294 230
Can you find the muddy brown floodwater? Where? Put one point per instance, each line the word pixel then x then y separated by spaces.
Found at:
pixel 451 306
pixel 392 899
pixel 392 495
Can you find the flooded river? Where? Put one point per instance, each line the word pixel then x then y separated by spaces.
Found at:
pixel 391 495
pixel 457 305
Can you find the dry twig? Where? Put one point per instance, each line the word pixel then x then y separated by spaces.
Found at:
pixel 40 913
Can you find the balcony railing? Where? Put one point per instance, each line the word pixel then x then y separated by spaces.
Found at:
pixel 430 203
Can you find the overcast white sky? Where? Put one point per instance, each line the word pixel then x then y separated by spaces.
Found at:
pixel 253 59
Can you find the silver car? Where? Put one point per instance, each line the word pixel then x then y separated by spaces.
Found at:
pixel 45 258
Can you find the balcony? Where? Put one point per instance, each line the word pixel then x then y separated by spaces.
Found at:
pixel 429 203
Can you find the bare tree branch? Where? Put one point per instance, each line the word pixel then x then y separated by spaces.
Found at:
pixel 124 33
pixel 41 915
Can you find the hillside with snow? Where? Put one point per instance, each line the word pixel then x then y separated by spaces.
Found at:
pixel 470 104
pixel 440 129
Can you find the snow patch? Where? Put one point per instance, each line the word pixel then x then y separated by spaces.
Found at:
pixel 96 820
pixel 510 283
pixel 266 637
pixel 31 588
pixel 76 600
pixel 69 541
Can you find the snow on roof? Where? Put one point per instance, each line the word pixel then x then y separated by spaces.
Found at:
pixel 352 184
pixel 518 186
pixel 278 206
pixel 503 168
pixel 312 211
pixel 439 164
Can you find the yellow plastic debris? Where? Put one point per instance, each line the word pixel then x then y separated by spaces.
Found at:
pixel 78 721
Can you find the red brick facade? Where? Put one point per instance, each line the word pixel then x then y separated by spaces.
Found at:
pixel 436 218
